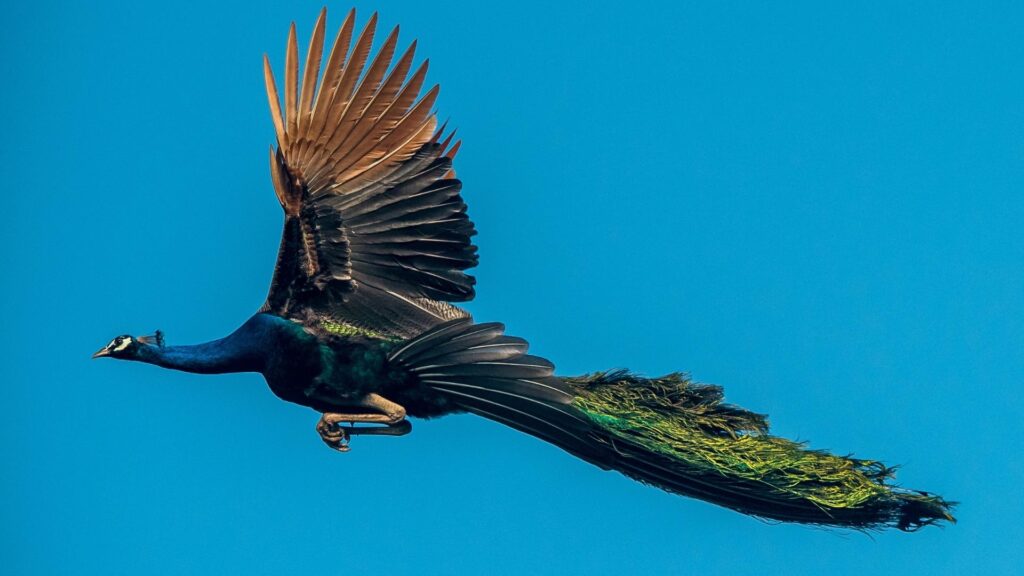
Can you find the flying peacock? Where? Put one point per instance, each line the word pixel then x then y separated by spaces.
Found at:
pixel 359 326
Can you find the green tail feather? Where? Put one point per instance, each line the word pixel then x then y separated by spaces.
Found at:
pixel 681 437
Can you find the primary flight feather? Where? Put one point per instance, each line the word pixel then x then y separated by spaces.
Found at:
pixel 358 323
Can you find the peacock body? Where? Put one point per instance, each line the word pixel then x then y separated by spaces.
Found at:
pixel 359 326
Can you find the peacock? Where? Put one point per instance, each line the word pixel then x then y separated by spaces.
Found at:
pixel 359 323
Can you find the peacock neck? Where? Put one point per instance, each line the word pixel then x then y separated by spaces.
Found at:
pixel 244 350
pixel 216 357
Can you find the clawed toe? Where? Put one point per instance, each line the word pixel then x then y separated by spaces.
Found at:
pixel 336 437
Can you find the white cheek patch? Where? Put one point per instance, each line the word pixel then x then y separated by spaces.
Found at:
pixel 124 344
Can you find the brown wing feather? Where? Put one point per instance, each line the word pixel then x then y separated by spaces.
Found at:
pixel 329 83
pixel 291 82
pixel 312 72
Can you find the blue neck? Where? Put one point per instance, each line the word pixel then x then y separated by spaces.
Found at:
pixel 244 350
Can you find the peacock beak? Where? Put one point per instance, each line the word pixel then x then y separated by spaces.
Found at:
pixel 105 351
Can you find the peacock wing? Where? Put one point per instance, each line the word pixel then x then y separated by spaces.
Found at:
pixel 376 234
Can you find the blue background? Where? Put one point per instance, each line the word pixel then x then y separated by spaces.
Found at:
pixel 819 208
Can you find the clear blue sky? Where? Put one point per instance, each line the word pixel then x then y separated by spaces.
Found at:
pixel 818 208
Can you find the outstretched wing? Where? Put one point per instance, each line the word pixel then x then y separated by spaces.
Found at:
pixel 376 234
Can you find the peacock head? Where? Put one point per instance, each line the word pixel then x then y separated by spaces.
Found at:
pixel 126 347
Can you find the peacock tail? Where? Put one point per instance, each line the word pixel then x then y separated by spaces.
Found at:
pixel 689 441
pixel 666 432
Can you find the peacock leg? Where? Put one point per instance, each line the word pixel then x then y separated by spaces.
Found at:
pixel 400 429
pixel 389 413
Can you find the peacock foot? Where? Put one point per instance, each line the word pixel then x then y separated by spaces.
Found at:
pixel 335 436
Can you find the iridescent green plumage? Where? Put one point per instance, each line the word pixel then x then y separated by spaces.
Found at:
pixel 345 329
pixel 695 434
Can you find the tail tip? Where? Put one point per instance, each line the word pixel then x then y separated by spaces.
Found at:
pixel 922 509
